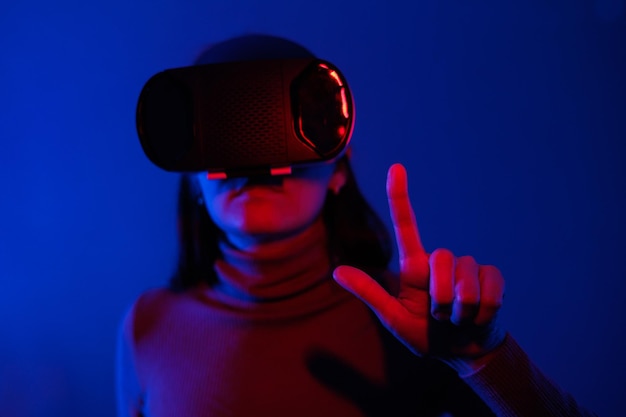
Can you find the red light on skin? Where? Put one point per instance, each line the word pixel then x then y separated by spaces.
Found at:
pixel 216 175
pixel 280 171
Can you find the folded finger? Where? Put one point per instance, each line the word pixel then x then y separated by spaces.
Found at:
pixel 442 267
pixel 491 293
pixel 467 290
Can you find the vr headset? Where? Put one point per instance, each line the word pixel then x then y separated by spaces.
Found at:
pixel 245 118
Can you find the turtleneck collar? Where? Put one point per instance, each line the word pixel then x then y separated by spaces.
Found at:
pixel 275 270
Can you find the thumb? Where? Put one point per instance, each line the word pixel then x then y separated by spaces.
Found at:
pixel 369 291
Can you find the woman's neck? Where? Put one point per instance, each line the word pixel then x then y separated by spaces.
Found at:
pixel 275 269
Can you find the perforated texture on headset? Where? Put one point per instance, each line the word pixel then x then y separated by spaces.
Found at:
pixel 251 115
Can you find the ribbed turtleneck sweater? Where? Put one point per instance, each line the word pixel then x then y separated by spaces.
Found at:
pixel 276 336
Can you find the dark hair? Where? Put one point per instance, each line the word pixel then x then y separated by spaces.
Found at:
pixel 356 235
pixel 252 47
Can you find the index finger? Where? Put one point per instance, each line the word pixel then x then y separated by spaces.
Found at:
pixel 402 216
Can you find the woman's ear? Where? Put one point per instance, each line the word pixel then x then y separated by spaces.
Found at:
pixel 339 178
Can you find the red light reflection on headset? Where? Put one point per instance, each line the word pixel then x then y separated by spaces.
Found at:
pixel 216 175
pixel 280 170
pixel 344 101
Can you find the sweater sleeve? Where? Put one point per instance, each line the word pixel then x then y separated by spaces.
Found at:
pixel 128 388
pixel 512 386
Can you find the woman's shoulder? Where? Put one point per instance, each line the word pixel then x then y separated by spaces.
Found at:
pixel 152 300
pixel 147 310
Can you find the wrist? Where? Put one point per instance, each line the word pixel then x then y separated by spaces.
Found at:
pixel 466 366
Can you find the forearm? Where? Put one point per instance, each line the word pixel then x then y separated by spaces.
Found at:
pixel 512 386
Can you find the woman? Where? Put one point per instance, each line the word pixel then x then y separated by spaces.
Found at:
pixel 255 323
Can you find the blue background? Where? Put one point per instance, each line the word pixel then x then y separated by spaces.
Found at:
pixel 510 116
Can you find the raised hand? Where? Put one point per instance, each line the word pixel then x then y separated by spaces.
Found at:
pixel 446 306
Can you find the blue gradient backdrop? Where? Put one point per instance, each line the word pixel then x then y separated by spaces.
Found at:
pixel 511 118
